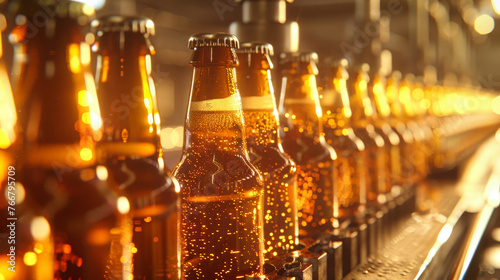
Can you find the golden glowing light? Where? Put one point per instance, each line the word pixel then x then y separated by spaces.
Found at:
pixel 84 98
pixel 74 58
pixel 38 248
pixel 40 228
pixel 123 205
pixel 172 137
pixel 8 117
pixel 20 193
pixel 85 53
pixel 496 6
pixel 86 154
pixel 484 24
pixel 495 105
pixel 30 258
pixel 95 112
pixel 102 172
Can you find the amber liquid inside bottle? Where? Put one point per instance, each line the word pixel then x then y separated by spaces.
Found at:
pixel 379 187
pixel 381 114
pixel 222 193
pixel 410 147
pixel 317 163
pixel 65 220
pixel 147 235
pixel 352 153
pixel 266 153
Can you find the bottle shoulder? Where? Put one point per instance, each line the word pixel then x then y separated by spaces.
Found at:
pixel 224 170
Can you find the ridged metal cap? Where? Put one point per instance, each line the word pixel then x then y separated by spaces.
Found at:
pixel 213 40
pixel 120 23
pixel 256 47
pixel 299 57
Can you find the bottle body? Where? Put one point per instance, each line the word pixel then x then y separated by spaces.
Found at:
pixel 131 157
pixel 222 192
pixel 265 151
pixel 303 140
pixel 352 151
pixel 378 166
pixel 67 215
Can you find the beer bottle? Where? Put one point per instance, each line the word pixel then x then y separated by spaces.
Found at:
pixel 409 165
pixel 303 140
pixel 131 154
pixel 222 192
pixel 8 137
pixel 265 150
pixel 65 221
pixel 408 92
pixel 352 154
pixel 378 191
pixel 382 113
pixel 8 118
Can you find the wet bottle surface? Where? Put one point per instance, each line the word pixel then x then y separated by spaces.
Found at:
pixel 379 187
pixel 131 161
pixel 303 140
pixel 222 192
pixel 382 113
pixel 410 146
pixel 422 134
pixel 352 153
pixel 265 150
pixel 66 218
pixel 8 137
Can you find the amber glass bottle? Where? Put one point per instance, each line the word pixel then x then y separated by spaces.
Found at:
pixel 8 136
pixel 66 218
pixel 303 140
pixel 382 113
pixel 265 150
pixel 408 90
pixel 398 118
pixel 131 153
pixel 222 192
pixel 378 191
pixel 352 153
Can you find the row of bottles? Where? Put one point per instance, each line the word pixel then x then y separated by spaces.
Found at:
pixel 256 182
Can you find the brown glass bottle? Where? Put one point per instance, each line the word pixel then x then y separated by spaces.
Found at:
pixel 382 113
pixel 222 192
pixel 352 153
pixel 397 119
pixel 423 137
pixel 303 140
pixel 8 136
pixel 66 218
pixel 131 153
pixel 378 191
pixel 265 150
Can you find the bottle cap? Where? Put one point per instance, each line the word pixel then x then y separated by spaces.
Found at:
pixel 306 57
pixel 256 47
pixel 213 40
pixel 122 23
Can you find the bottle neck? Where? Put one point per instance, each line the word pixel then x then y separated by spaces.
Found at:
pixel 379 96
pixel 299 104
pixel 336 101
pixel 214 119
pixel 126 91
pixel 393 87
pixel 259 108
pixel 362 108
pixel 55 94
